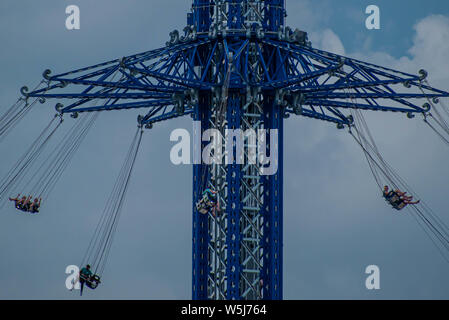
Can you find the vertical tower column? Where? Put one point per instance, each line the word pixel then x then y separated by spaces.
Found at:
pixel 237 15
pixel 272 241
pixel 274 15
pixel 233 207
pixel 237 254
pixel 201 17
pixel 200 223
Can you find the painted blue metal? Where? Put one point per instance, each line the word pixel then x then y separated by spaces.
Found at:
pixel 292 78
pixel 275 15
pixel 272 241
pixel 152 79
pixel 201 238
pixel 201 15
pixel 272 288
pixel 233 208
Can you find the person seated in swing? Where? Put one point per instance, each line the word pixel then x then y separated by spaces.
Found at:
pixel 387 193
pixel 21 204
pixel 35 205
pixel 398 199
pixel 211 196
pixel 18 202
pixel 84 276
pixel 407 199
pixel 208 201
pixel 26 206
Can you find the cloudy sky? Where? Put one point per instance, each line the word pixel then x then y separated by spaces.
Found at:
pixel 336 223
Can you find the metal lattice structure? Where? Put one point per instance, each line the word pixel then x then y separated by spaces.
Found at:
pixel 269 73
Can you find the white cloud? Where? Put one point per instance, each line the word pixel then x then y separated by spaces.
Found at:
pixel 430 50
pixel 431 45
pixel 327 40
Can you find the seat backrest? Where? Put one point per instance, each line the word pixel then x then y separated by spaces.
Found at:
pixel 401 205
pixel 394 198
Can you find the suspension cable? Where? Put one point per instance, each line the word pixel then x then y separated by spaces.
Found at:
pixel 439 120
pixel 100 245
pixel 430 222
pixel 44 180
pixel 10 119
pixel 19 170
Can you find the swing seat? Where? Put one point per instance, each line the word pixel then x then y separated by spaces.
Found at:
pixel 394 200
pixel 204 206
pixel 399 205
pixel 201 207
pixel 391 196
pixel 93 282
pixel 34 211
pixel 24 209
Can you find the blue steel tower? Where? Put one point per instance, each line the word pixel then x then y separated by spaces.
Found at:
pixel 238 254
pixel 236 65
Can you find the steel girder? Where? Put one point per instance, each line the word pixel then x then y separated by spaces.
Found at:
pixel 237 16
pixel 167 82
pixel 237 253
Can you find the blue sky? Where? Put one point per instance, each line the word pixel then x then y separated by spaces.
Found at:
pixel 336 223
pixel 398 19
pixel 346 18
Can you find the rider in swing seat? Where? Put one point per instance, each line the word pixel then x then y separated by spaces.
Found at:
pixel 26 207
pixel 18 202
pixel 398 199
pixel 84 276
pixel 34 208
pixel 208 201
pixel 25 204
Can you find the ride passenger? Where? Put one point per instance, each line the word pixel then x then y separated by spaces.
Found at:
pixel 35 205
pixel 405 198
pixel 411 202
pixel 398 199
pixel 84 276
pixel 27 204
pixel 391 196
pixel 211 196
pixel 17 201
pixel 208 202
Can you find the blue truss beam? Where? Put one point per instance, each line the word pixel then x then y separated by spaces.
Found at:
pixel 301 70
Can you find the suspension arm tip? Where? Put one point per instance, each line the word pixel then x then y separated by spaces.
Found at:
pixel 423 74
pixel 58 107
pixel 24 91
pixel 140 120
pixel 46 74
